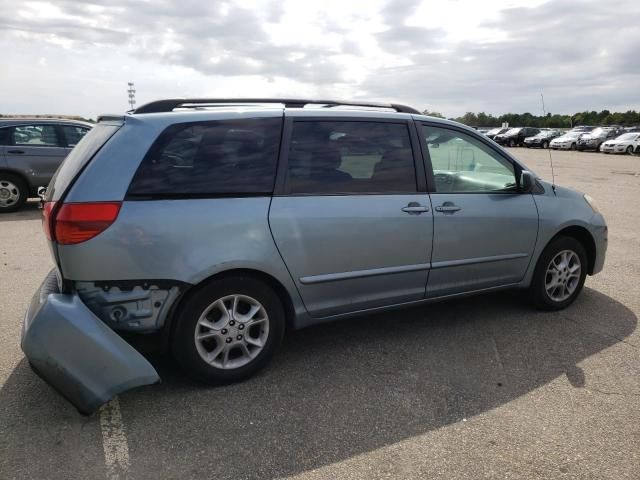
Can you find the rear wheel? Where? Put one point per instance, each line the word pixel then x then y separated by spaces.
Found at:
pixel 545 145
pixel 13 193
pixel 228 330
pixel 573 146
pixel 559 275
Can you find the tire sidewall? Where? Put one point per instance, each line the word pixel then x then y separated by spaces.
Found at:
pixel 22 187
pixel 183 343
pixel 538 291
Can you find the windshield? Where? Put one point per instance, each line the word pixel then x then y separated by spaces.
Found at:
pixel 572 135
pixel 513 131
pixel 494 131
pixel 628 136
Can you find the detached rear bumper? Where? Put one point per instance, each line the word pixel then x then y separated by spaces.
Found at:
pixel 75 352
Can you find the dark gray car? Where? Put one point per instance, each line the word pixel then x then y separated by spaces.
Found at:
pixel 31 150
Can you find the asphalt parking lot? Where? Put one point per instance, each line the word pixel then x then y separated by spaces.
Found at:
pixel 481 388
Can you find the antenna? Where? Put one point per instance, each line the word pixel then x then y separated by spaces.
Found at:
pixel 553 175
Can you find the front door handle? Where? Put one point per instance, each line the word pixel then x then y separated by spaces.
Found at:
pixel 447 207
pixel 415 207
pixel 16 151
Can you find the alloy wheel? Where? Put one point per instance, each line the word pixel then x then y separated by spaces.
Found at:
pixel 563 275
pixel 231 331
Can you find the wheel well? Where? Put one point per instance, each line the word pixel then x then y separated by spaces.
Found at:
pixel 586 240
pixel 277 287
pixel 21 176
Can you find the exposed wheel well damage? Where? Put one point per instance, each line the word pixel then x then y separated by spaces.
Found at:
pixel 271 281
pixel 586 240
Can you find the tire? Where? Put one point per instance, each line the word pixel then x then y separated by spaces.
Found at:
pixel 227 366
pixel 629 150
pixel 13 193
pixel 545 145
pixel 542 292
pixel 573 146
pixel 512 143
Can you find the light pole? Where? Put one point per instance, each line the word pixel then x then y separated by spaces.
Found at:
pixel 132 95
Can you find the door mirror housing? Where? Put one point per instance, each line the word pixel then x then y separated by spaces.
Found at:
pixel 527 181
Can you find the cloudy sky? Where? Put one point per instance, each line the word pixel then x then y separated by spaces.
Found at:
pixel 76 57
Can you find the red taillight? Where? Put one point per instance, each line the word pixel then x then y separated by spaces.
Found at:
pixel 47 219
pixel 79 222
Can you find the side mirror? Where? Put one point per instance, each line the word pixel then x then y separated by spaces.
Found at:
pixel 527 182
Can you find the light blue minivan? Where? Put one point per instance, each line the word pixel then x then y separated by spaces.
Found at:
pixel 214 226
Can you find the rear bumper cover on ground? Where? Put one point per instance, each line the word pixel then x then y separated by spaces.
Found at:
pixel 75 352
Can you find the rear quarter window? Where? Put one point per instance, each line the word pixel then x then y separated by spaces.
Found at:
pixel 73 164
pixel 222 157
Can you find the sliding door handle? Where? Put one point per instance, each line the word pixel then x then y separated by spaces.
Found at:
pixel 447 207
pixel 415 207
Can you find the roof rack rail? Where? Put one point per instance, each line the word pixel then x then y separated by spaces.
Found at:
pixel 169 104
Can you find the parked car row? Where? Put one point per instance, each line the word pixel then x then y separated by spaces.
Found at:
pixel 611 139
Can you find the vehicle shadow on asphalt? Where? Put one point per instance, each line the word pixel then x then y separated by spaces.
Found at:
pixel 339 390
pixel 30 211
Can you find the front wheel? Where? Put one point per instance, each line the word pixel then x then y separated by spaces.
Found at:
pixel 573 146
pixel 559 275
pixel 545 145
pixel 512 143
pixel 228 330
pixel 629 150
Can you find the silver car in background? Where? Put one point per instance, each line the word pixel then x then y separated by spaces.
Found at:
pixel 568 141
pixel 625 143
pixel 216 225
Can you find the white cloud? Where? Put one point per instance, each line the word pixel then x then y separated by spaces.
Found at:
pixel 495 56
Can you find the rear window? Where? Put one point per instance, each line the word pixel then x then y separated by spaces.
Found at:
pixel 223 157
pixel 78 158
pixel 36 136
pixel 327 157
pixel 74 134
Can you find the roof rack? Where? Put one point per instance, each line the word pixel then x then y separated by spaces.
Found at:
pixel 169 104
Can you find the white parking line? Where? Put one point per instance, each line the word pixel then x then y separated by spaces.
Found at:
pixel 114 441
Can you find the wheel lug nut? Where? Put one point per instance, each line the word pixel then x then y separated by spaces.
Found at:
pixel 228 339
pixel 232 323
pixel 239 337
pixel 224 330
pixel 241 327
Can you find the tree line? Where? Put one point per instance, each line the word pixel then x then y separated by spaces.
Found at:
pixel 605 117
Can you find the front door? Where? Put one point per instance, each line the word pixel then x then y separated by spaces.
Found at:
pixel 484 229
pixel 353 221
